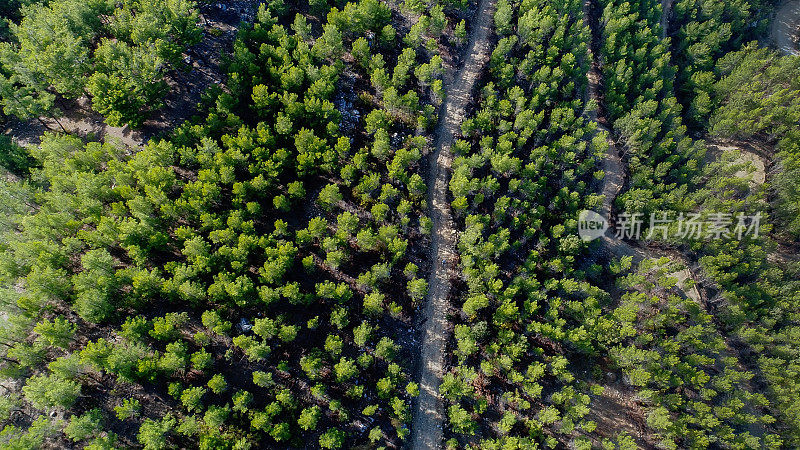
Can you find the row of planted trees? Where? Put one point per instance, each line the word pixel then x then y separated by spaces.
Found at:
pixel 524 167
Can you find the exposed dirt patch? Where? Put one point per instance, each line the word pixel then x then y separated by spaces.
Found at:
pixel 615 411
pixel 757 165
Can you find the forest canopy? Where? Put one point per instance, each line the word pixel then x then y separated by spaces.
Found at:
pixel 365 227
pixel 119 54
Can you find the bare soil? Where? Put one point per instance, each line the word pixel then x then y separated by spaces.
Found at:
pixel 666 12
pixel 616 411
pixel 757 163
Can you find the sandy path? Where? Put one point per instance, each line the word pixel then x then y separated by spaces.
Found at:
pixel 429 414
pixel 784 27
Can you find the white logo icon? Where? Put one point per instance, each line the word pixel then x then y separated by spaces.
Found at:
pixel 591 225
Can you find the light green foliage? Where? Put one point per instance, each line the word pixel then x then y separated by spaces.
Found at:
pixel 58 332
pixel 262 379
pixel 706 32
pixel 152 434
pixel 84 426
pixel 118 55
pixel 95 286
pixel 332 439
pixel 329 196
pixel 47 391
pixel 202 359
pixel 127 84
pixel 192 398
pixel 217 384
pixel 129 408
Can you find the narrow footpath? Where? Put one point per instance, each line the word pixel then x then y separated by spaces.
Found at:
pixel 429 410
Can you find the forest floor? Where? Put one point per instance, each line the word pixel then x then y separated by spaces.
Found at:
pixel 785 27
pixel 219 22
pixel 77 118
pixel 427 430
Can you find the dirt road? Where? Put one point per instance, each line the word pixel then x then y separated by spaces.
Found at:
pixel 784 27
pixel 429 414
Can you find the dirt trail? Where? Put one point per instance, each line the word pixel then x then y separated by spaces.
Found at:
pixel 666 11
pixel 612 163
pixel 784 27
pixel 688 276
pixel 429 414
